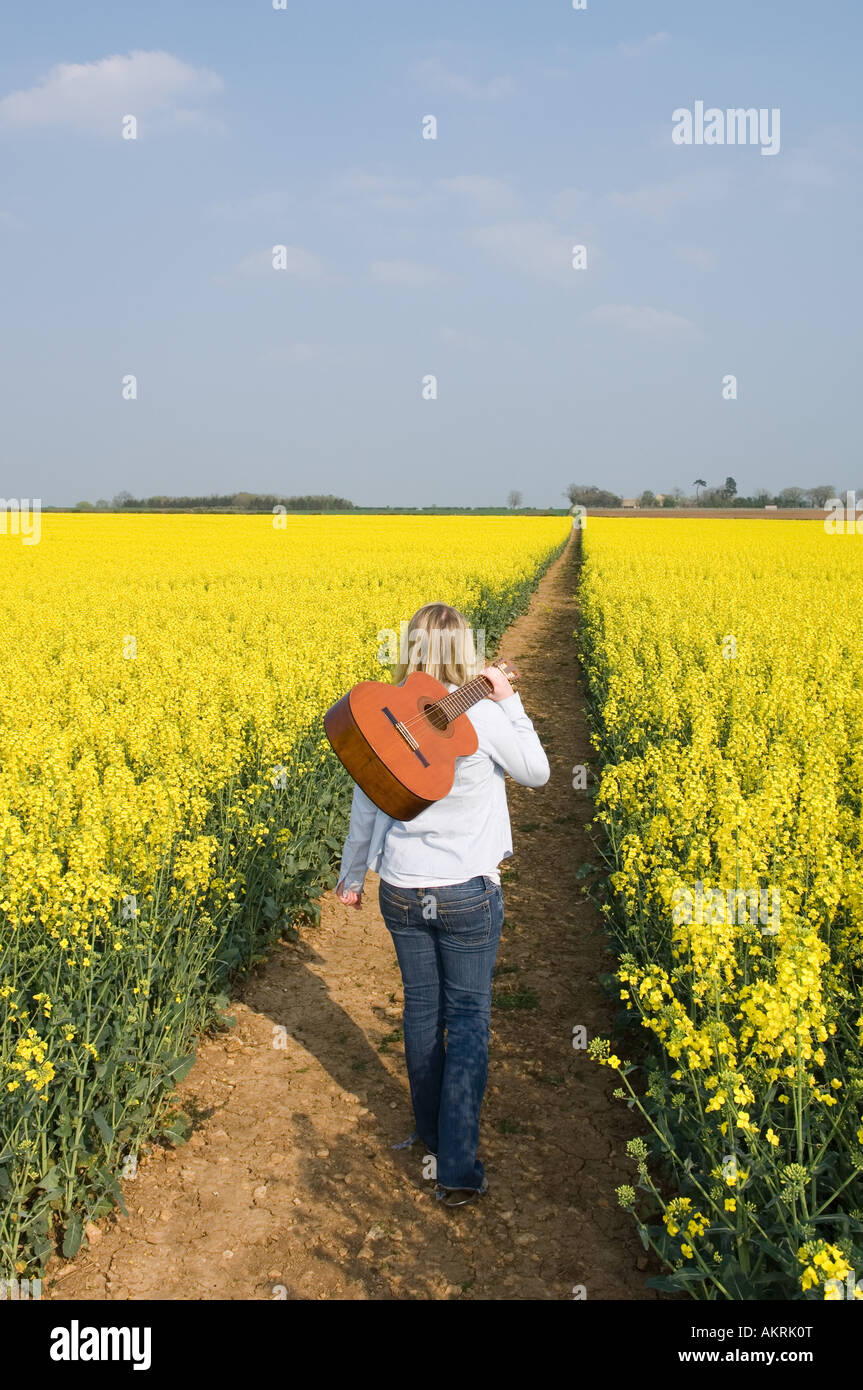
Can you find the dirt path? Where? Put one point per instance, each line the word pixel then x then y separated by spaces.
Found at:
pixel 289 1188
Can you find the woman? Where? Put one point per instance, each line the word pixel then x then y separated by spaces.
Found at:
pixel 441 899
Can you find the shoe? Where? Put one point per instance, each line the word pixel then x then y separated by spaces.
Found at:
pixel 406 1143
pixel 460 1196
pixel 409 1143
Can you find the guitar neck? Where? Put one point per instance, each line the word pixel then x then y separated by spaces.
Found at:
pixel 460 700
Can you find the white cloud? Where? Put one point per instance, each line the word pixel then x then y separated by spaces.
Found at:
pixel 570 203
pixel 432 72
pixel 488 194
pixel 404 273
pixel 294 354
pixel 96 96
pixel 658 199
pixel 386 191
pixel 642 321
pixel 300 264
pixel 637 50
pixel 304 352
pixel 455 337
pixel 392 193
pixel 535 247
pixel 373 185
pixel 829 157
pixel 699 256
pixel 261 205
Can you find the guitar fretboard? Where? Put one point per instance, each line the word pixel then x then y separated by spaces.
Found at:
pixel 460 700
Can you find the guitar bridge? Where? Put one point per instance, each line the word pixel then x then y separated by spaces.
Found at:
pixel 406 735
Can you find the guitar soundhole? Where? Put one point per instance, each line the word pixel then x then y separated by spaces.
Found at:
pixel 435 717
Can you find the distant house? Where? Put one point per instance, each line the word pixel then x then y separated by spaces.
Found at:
pixel 660 498
pixel 770 506
pixel 629 502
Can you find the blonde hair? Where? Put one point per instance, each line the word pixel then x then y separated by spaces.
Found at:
pixel 440 641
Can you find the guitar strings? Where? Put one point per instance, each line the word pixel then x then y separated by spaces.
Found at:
pixel 456 704
pixel 466 689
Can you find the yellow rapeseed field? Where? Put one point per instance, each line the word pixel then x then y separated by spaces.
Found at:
pixel 726 675
pixel 168 797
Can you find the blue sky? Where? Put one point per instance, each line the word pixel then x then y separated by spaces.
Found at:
pixel 406 257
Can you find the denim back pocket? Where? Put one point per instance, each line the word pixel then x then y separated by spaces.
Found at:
pixel 395 907
pixel 466 924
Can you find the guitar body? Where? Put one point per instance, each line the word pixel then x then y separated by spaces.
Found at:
pixel 399 779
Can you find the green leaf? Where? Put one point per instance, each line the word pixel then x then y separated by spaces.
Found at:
pixel 52 1180
pixel 179 1130
pixel 73 1236
pixel 103 1127
pixel 780 1256
pixel 182 1067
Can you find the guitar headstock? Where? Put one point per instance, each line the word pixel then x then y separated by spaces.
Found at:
pixel 509 671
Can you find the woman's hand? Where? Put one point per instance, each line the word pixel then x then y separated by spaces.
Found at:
pixel 502 688
pixel 350 899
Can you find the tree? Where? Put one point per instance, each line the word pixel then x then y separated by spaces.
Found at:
pixel 84 507
pixel 122 499
pixel 515 499
pixel 585 495
pixel 730 488
pixel 699 482
pixel 647 499
pixel 713 497
pixel 791 497
pixel 818 495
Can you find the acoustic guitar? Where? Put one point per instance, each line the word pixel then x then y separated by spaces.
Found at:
pixel 400 742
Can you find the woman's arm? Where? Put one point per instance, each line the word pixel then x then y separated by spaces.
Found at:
pixel 515 744
pixel 352 874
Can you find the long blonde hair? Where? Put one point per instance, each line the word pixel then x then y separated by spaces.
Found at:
pixel 440 641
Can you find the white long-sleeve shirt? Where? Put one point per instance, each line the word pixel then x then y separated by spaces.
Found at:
pixel 468 831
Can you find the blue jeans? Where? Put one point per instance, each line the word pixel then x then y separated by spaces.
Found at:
pixel 446 941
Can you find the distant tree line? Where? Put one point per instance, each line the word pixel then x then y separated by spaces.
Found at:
pixel 724 495
pixel 583 494
pixel 236 502
pixel 265 502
